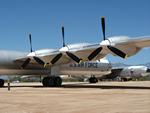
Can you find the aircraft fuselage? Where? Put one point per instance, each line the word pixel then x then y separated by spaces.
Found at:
pixel 9 66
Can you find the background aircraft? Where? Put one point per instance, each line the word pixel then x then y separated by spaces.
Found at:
pixel 130 72
pixel 48 61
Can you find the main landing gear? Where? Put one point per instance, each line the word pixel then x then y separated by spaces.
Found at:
pixel 93 79
pixel 1 82
pixel 52 81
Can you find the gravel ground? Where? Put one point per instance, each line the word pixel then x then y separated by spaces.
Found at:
pixel 104 97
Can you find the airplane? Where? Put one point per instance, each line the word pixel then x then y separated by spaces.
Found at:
pixel 130 72
pixel 47 61
pixel 98 70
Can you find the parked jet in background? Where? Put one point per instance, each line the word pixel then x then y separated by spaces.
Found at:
pixel 130 72
pixel 48 61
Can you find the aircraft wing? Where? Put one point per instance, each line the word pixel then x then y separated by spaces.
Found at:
pixel 70 53
pixel 120 46
pixel 141 43
pixel 40 57
pixel 127 45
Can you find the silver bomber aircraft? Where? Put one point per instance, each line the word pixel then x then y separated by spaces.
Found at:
pixel 48 61
pixel 130 72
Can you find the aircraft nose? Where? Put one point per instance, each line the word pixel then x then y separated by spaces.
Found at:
pixel 148 70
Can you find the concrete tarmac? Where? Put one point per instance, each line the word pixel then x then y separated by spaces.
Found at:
pixel 104 97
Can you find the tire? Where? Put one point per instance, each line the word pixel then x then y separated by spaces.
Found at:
pixel 93 80
pixel 52 81
pixel 2 82
pixel 48 81
pixel 58 81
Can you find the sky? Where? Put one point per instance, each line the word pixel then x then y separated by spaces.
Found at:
pixel 81 19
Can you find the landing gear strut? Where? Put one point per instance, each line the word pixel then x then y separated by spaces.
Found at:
pixel 93 79
pixel 1 82
pixel 52 81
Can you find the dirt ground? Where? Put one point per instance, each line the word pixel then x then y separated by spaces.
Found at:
pixel 104 97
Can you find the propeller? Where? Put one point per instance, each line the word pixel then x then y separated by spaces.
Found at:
pixel 58 56
pixel 72 56
pixel 27 61
pixel 111 48
pixel 98 50
pixel 69 54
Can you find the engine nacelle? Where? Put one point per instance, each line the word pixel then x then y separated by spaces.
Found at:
pixel 118 39
pixel 115 41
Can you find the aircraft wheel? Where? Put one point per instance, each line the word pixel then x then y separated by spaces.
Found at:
pixel 93 80
pixel 57 81
pixel 45 81
pixel 48 81
pixel 52 81
pixel 1 82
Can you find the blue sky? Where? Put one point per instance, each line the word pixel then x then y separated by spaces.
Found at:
pixel 81 18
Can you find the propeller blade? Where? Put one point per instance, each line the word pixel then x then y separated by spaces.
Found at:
pixel 95 53
pixel 63 36
pixel 39 61
pixel 73 57
pixel 117 52
pixel 27 61
pixel 103 27
pixel 31 50
pixel 56 58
